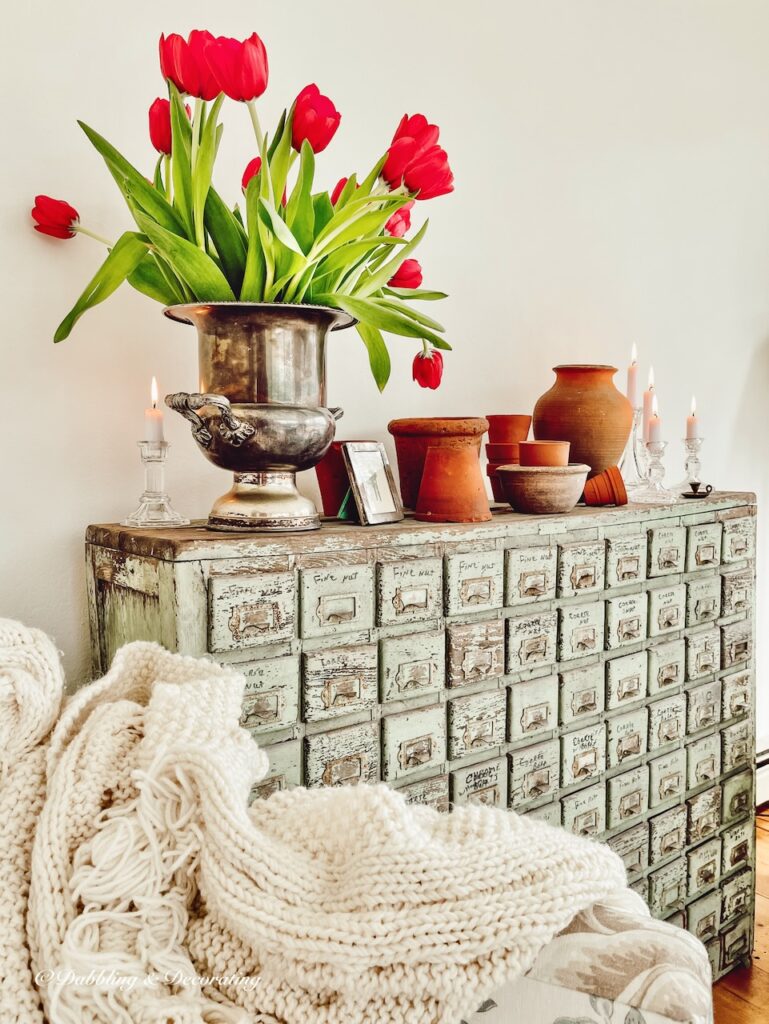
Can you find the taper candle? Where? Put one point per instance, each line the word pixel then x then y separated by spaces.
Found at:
pixel 153 417
pixel 692 423
pixel 632 378
pixel 655 423
pixel 648 396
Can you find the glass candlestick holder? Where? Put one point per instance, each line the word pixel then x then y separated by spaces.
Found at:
pixel 154 505
pixel 653 491
pixel 634 464
pixel 692 464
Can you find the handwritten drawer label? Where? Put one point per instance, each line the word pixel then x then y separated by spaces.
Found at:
pixel 627 737
pixel 736 894
pixel 703 600
pixel 703 917
pixel 736 745
pixel 474 582
pixel 735 695
pixel 476 723
pixel 581 568
pixel 703 548
pixel 413 741
pixel 484 783
pixel 534 772
pixel 738 846
pixel 739 539
pixel 667 834
pixel 626 680
pixel 412 665
pixel 736 644
pixel 338 682
pixel 632 846
pixel 628 795
pixel 584 813
pixel 703 653
pixel 476 651
pixel 703 706
pixel 583 754
pixel 530 574
pixel 626 620
pixel 626 560
pixel 284 771
pixel 667 777
pixel 704 812
pixel 250 610
pixel 533 707
pixel 666 609
pixel 344 757
pixel 432 792
pixel 271 695
pixel 703 760
pixel 409 591
pixel 336 599
pixel 531 641
pixel 737 592
pixel 703 866
pixel 667 887
pixel 736 796
pixel 582 693
pixel 666 666
pixel 580 630
pixel 667 721
pixel 667 550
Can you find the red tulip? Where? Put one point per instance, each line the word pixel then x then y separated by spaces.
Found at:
pixel 54 217
pixel 408 275
pixel 413 136
pixel 252 168
pixel 160 124
pixel 400 222
pixel 430 175
pixel 184 63
pixel 315 119
pixel 338 189
pixel 427 369
pixel 240 68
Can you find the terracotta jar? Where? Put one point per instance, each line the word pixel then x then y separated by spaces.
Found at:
pixel 414 436
pixel 452 489
pixel 584 407
pixel 333 481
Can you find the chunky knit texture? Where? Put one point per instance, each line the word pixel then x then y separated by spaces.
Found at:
pixel 313 907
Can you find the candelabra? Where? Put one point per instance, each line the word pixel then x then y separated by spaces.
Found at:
pixel 634 464
pixel 653 491
pixel 154 505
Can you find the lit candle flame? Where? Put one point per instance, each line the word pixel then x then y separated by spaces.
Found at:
pixel 634 354
pixel 694 406
pixel 154 393
pixel 655 409
pixel 651 378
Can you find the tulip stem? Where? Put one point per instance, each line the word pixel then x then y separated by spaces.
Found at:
pixel 251 104
pixel 167 175
pixel 91 234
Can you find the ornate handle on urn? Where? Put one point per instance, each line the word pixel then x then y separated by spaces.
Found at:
pixel 231 429
pixel 336 412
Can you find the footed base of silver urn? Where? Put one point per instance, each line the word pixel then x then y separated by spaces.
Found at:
pixel 267 502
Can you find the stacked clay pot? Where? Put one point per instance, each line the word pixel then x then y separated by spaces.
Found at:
pixel 415 435
pixel 505 435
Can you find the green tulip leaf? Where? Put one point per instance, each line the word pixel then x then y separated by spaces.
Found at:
pixel 228 237
pixel 194 266
pixel 387 270
pixel 181 173
pixel 423 294
pixel 372 177
pixel 300 215
pixel 378 356
pixel 150 280
pixel 323 210
pixel 204 165
pixel 377 315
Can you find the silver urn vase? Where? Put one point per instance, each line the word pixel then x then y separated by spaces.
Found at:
pixel 261 410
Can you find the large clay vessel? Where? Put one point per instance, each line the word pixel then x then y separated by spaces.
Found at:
pixel 584 407
pixel 415 435
pixel 452 488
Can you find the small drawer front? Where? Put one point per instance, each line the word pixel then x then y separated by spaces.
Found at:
pixel 271 695
pixel 703 600
pixel 632 847
pixel 336 599
pixel 736 745
pixel 531 641
pixel 344 757
pixel 484 783
pixel 736 943
pixel 704 814
pixel 474 582
pixel 533 707
pixel 703 706
pixel 626 620
pixel 703 546
pixel 284 771
pixel 735 695
pixel 703 652
pixel 250 610
pixel 736 796
pixel 530 574
pixel 410 666
pixel 534 772
pixel 737 592
pixel 736 896
pixel 667 666
pixel 476 651
pixel 703 866
pixel 626 680
pixel 628 795
pixel 667 721
pixel 580 630
pixel 583 754
pixel 338 682
pixel 667 777
pixel 626 560
pixel 550 814
pixel 476 723
pixel 703 917
pixel 667 888
pixel 642 888
pixel 413 741
pixel 667 610
pixel 738 846
pixel 581 568
pixel 736 644
pixel 667 550
pixel 432 792
pixel 582 694
pixel 703 760
pixel 739 539
pixel 627 737
pixel 667 834
pixel 409 591
pixel 584 813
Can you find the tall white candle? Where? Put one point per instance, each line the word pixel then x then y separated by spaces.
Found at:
pixel 655 423
pixel 692 423
pixel 632 378
pixel 153 417
pixel 647 403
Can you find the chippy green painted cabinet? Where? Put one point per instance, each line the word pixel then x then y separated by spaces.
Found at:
pixel 594 670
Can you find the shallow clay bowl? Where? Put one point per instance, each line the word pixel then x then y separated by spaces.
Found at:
pixel 544 453
pixel 543 490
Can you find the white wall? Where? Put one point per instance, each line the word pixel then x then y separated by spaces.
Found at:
pixel 612 185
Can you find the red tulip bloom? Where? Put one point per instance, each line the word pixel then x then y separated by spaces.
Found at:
pixel 252 168
pixel 400 222
pixel 408 275
pixel 427 369
pixel 430 175
pixel 338 189
pixel 160 124
pixel 315 119
pixel 413 136
pixel 184 63
pixel 240 68
pixel 54 217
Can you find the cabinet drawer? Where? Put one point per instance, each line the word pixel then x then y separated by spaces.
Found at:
pixel 581 568
pixel 626 680
pixel 412 665
pixel 667 610
pixel 703 706
pixel 628 795
pixel 704 814
pixel 641 886
pixel 626 560
pixel 632 847
pixel 284 771
pixel 667 777
pixel 583 754
pixel 474 582
pixel 667 888
pixel 667 721
pixel 626 620
pixel 476 651
pixel 703 917
pixel 432 792
pixel 476 723
pixel 530 574
pixel 484 783
pixel 409 591
pixel 738 846
pixel 703 600
pixel 735 695
pixel 338 682
pixel 550 814
pixel 533 707
pixel 736 896
pixel 703 546
pixel 736 644
pixel 667 666
pixel 736 943
pixel 739 539
pixel 703 866
pixel 627 736
pixel 736 745
pixel 737 592
pixel 250 610
pixel 667 834
pixel 582 693
pixel 344 757
pixel 667 550
pixel 413 741
pixel 580 630
pixel 736 796
pixel 531 641
pixel 703 652
pixel 336 599
pixel 271 695
pixel 584 813
pixel 534 772
pixel 703 760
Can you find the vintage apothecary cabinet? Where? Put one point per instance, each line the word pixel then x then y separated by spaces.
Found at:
pixel 594 670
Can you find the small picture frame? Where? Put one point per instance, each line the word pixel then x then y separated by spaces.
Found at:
pixel 371 483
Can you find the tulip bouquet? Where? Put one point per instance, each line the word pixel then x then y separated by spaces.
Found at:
pixel 285 241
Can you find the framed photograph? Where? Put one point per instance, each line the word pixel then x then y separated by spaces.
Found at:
pixel 371 482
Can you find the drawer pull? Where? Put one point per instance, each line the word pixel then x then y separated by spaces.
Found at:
pixel 536 782
pixel 628 567
pixel 583 577
pixel 669 730
pixel 477 664
pixel 479 734
pixel 629 629
pixel 261 709
pixel 532 584
pixel 735 904
pixel 633 860
pixel 339 692
pixel 586 823
pixel 739 804
pixel 706 928
pixel 738 599
pixel 584 638
pixel 672 894
pixel 705 554
pixel 533 650
pixel 739 853
pixel 705 769
pixel 705 662
pixel 489 796
pixel 739 650
pixel 704 715
pixel 706 874
pixel 629 746
pixel 630 804
pixel 345 771
pixel 414 675
pixel 736 946
pixel 416 752
pixel 476 591
pixel 411 599
pixel 669 618
pixel 668 674
pixel 253 619
pixel 706 824
pixel 739 753
pixel 738 547
pixel 535 717
pixel 629 687
pixel 669 558
pixel 670 785
pixel 585 764
pixel 336 609
pixel 738 704
pixel 705 609
pixel 672 841
pixel 583 702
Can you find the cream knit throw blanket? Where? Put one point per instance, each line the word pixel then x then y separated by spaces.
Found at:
pixel 158 897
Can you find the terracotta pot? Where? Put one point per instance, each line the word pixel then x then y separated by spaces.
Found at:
pixel 543 490
pixel 500 451
pixel 505 429
pixel 452 488
pixel 608 488
pixel 332 479
pixel 584 407
pixel 544 453
pixel 414 436
pixel 496 486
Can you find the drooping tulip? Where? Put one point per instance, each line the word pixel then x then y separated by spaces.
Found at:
pixel 427 369
pixel 315 119
pixel 240 68
pixel 183 62
pixel 400 222
pixel 54 217
pixel 160 124
pixel 408 275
